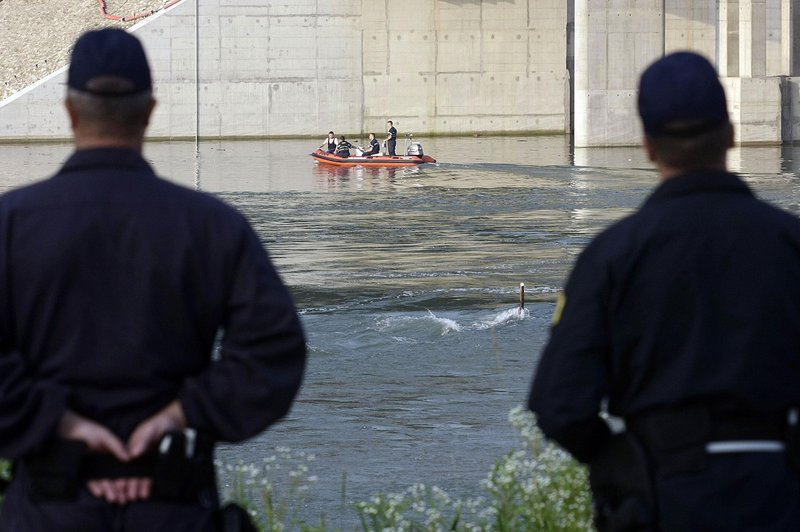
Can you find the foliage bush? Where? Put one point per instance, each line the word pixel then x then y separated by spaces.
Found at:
pixel 537 487
pixel 274 491
pixel 5 475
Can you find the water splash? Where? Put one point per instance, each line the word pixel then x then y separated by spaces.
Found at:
pixel 447 324
pixel 400 324
pixel 512 314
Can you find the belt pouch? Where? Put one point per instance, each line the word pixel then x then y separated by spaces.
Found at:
pixel 621 485
pixel 184 470
pixel 55 472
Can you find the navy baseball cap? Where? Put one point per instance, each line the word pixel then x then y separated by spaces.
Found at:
pixel 105 53
pixel 680 95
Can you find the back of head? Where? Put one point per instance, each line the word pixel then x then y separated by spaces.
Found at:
pixel 109 82
pixel 684 112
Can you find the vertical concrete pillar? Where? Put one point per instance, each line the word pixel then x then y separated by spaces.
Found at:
pixel 790 62
pixel 788 25
pixel 580 72
pixel 755 99
pixel 774 30
pixel 752 38
pixel 728 46
pixel 614 41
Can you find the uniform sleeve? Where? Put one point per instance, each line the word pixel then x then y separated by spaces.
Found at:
pixel 30 406
pixel 571 379
pixel 30 409
pixel 262 357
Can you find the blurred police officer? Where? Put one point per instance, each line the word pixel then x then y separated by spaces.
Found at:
pixel 114 285
pixel 683 319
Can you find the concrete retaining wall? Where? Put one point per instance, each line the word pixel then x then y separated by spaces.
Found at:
pixel 750 41
pixel 281 68
pixel 278 68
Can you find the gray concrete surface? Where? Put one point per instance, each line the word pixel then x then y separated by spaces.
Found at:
pixel 248 68
pixel 279 68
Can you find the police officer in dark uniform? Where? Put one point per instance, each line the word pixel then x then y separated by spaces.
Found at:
pixel 391 138
pixel 115 286
pixel 374 146
pixel 683 319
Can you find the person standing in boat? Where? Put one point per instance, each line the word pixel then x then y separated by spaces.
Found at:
pixel 391 138
pixel 343 147
pixel 329 144
pixel 374 146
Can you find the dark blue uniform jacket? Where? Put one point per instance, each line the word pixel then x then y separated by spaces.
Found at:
pixel 694 299
pixel 113 285
pixel 375 147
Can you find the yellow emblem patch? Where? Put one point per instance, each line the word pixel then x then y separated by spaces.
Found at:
pixel 562 301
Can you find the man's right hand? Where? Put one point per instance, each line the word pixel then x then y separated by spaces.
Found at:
pixel 99 439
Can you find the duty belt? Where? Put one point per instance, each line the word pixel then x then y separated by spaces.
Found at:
pixel 182 470
pixel 680 440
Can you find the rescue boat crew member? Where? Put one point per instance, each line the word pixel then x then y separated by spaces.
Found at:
pixel 683 319
pixel 374 146
pixel 343 147
pixel 391 138
pixel 329 144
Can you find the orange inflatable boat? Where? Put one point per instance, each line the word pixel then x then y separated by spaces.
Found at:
pixel 414 155
pixel 371 160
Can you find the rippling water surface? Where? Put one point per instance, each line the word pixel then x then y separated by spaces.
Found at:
pixel 407 280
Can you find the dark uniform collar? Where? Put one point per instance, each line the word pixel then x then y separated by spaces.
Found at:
pixel 106 157
pixel 698 183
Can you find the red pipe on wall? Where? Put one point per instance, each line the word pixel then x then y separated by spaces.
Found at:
pixel 135 16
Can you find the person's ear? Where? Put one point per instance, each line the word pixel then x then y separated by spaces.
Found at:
pixel 73 116
pixel 648 148
pixel 149 113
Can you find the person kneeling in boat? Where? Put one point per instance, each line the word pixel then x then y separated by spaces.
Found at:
pixel 374 146
pixel 343 147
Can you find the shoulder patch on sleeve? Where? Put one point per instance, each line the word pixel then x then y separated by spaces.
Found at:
pixel 562 301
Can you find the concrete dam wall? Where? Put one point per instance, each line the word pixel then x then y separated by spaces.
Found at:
pixel 303 67
pixel 244 68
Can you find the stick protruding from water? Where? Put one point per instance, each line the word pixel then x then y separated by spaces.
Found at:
pixel 521 296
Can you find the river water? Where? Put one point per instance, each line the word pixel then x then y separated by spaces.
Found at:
pixel 407 282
